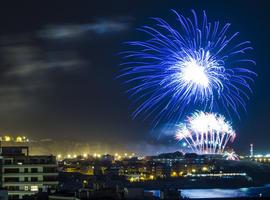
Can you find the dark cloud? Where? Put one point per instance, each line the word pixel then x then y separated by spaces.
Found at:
pixel 101 26
pixel 50 82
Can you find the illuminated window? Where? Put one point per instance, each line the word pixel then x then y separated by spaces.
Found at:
pixel 34 188
pixel 26 187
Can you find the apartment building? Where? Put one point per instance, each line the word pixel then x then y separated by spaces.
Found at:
pixel 24 175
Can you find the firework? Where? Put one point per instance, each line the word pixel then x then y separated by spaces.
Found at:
pixel 230 155
pixel 206 133
pixel 193 64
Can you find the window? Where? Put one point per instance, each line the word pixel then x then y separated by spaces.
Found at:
pixel 34 179
pixel 11 170
pixel 16 196
pixel 7 162
pixel 33 161
pixel 21 161
pixel 25 179
pixel 34 188
pixel 49 178
pixel 49 169
pixel 12 188
pixel 25 170
pixel 11 179
pixel 26 187
pixel 34 170
pixel 25 151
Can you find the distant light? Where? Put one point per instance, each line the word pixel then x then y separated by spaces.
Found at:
pixel 205 169
pixel 84 155
pixel 174 174
pixel 59 156
pixel 116 154
pixel 184 144
pixel 69 156
pixel 19 139
pixel 7 138
pixel 74 156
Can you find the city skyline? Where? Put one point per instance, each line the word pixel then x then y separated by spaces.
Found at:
pixel 58 72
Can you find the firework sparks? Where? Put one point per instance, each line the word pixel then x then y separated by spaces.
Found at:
pixel 191 65
pixel 206 133
pixel 230 155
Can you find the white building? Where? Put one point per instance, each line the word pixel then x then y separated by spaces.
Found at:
pixel 24 175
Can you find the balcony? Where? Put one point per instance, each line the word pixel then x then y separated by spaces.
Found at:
pixel 29 165
pixel 38 183
pixel 29 174
pixel 21 192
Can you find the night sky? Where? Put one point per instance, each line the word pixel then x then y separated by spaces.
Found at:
pixel 59 61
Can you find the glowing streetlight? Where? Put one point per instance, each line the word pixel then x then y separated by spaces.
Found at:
pixel 7 138
pixel 19 139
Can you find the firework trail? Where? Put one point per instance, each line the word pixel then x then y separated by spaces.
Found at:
pixel 206 133
pixel 230 155
pixel 190 64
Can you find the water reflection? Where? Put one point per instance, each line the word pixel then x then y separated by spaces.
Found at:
pixel 226 193
pixel 221 193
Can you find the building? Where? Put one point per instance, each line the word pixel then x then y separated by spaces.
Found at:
pixel 24 175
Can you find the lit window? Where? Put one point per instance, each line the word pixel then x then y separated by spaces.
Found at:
pixel 34 188
pixel 26 187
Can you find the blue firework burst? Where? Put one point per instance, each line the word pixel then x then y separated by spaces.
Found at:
pixel 190 64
